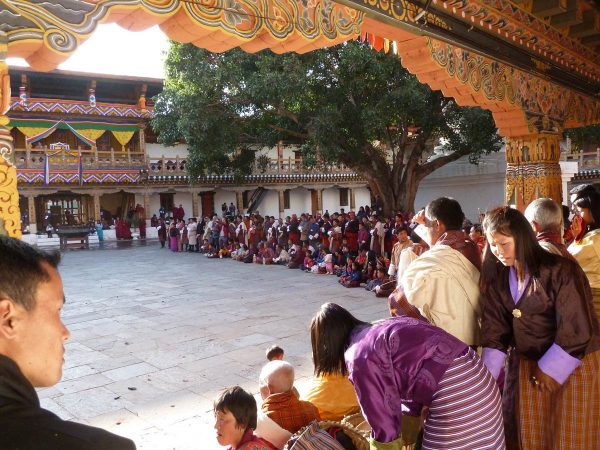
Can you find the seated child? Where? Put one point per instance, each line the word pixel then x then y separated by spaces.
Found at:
pixel 282 257
pixel 378 281
pixel 204 247
pixel 235 421
pixel 353 279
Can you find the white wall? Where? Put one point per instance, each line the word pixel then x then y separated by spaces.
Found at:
pixel 158 150
pixel 362 197
pixel 331 200
pixel 223 196
pixel 476 187
pixel 185 199
pixel 299 202
pixel 154 206
pixel 269 206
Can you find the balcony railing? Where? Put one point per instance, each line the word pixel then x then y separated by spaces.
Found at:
pixel 586 160
pixel 268 166
pixel 90 159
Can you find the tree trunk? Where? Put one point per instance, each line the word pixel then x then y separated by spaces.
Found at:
pixel 398 195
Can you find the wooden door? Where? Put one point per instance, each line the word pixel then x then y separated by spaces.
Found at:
pixel 208 204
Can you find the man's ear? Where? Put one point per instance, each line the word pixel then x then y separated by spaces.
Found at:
pixel 8 318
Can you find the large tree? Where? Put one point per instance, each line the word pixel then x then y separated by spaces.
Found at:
pixel 346 104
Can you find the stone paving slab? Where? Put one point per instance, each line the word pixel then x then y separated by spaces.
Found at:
pixel 156 335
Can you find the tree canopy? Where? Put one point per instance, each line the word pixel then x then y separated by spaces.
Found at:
pixel 345 104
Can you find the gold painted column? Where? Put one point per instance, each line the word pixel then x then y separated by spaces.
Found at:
pixel 10 216
pixel 532 169
pixel 146 209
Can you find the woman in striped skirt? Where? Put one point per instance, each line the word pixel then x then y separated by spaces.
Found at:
pixel 537 306
pixel 405 366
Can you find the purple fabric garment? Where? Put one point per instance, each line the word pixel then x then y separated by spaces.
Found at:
pixel 514 284
pixel 558 364
pixel 494 360
pixel 398 363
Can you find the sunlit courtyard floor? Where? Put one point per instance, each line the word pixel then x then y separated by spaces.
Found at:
pixel 156 335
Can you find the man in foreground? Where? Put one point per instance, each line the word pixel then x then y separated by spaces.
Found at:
pixel 32 338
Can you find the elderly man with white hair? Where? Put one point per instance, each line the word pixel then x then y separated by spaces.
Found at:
pixel 280 401
pixel 546 219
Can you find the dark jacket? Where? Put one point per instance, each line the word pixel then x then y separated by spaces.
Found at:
pixel 26 426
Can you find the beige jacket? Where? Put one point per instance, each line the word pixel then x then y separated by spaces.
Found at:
pixel 444 285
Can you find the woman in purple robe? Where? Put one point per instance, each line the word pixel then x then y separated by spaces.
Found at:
pixel 406 366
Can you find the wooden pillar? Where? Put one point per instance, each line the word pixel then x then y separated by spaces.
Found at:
pixel 10 216
pixel 195 205
pixel 532 169
pixel 32 213
pixel 96 196
pixel 147 209
pixel 239 201
pixel 320 201
pixel 352 196
pixel 281 202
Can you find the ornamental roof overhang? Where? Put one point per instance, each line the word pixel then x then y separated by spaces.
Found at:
pixel 528 61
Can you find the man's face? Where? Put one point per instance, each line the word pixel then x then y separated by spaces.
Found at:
pixel 39 342
pixel 403 236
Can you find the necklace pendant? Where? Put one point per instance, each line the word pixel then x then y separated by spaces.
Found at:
pixel 516 313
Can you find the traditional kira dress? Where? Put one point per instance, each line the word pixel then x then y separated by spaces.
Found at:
pixel 548 322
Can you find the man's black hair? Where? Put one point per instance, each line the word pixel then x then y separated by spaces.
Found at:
pixel 239 403
pixel 446 210
pixel 21 270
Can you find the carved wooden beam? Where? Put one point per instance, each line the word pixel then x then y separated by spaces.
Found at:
pixel 573 16
pixel 589 27
pixel 546 8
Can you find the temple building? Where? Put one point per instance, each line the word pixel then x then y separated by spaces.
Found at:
pixel 85 151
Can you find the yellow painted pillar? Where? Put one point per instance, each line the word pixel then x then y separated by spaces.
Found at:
pixel 10 216
pixel 532 169
pixel 96 205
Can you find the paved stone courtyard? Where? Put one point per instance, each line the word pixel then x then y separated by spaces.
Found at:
pixel 156 335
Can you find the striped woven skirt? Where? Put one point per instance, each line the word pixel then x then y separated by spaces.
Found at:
pixel 466 411
pixel 568 419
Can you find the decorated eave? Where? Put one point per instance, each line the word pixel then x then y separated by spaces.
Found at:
pixel 72 107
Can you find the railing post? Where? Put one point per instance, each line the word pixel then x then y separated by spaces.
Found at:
pixel 177 163
pixel 112 155
pixel 163 165
pixel 28 158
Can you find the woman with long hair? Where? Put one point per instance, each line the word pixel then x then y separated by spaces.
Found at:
pixel 585 227
pixel 405 366
pixel 537 306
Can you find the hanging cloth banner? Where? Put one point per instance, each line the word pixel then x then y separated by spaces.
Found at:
pixel 49 131
pixel 31 131
pixel 91 133
pixel 123 137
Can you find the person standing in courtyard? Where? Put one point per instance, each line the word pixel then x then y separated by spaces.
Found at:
pixel 32 339
pixel 537 307
pixel 192 228
pixel 161 230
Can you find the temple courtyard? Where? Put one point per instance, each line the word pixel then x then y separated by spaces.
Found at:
pixel 156 335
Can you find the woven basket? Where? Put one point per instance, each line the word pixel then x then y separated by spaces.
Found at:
pixel 358 439
pixel 410 428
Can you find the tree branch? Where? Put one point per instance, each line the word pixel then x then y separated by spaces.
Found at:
pixel 290 132
pixel 431 166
